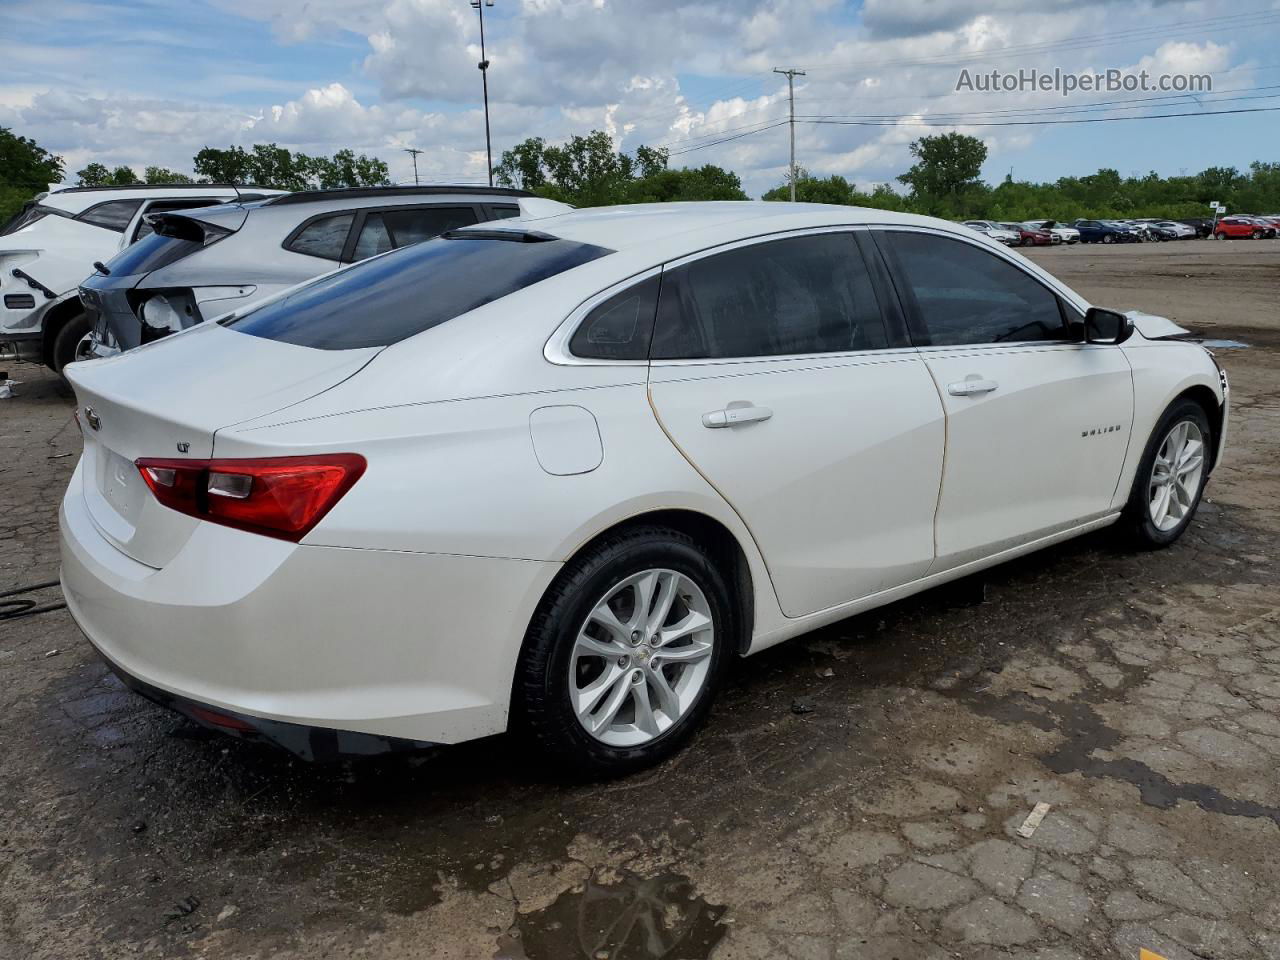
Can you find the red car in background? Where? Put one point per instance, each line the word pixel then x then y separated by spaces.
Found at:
pixel 1029 235
pixel 1231 228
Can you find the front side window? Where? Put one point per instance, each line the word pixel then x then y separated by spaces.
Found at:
pixel 809 294
pixel 113 215
pixel 386 300
pixel 323 237
pixel 374 238
pixel 966 295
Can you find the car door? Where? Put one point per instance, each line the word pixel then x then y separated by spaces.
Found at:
pixel 1037 422
pixel 774 372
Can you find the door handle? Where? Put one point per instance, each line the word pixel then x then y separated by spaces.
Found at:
pixel 971 386
pixel 734 414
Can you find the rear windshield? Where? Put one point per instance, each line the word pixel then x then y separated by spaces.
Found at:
pixel 400 294
pixel 151 253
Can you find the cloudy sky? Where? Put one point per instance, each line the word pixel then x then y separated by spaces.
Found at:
pixel 152 81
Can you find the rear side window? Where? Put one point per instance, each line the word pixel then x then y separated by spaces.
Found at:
pixel 619 328
pixel 145 229
pixel 504 213
pixel 794 296
pixel 967 295
pixel 114 214
pixel 323 237
pixel 383 301
pixel 425 223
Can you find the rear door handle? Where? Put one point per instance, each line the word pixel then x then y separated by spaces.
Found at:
pixel 971 387
pixel 734 414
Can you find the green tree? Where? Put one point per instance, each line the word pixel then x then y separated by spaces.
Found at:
pixel 26 168
pixel 589 172
pixel 271 165
pixel 945 174
pixel 163 175
pixel 97 175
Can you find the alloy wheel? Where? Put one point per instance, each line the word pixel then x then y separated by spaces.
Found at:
pixel 1176 475
pixel 84 348
pixel 641 658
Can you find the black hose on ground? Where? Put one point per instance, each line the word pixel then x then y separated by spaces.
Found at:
pixel 13 609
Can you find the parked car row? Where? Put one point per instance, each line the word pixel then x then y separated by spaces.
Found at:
pixel 1147 229
pixel 177 254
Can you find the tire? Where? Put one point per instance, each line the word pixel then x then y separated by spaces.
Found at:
pixel 552 666
pixel 1108 238
pixel 1219 236
pixel 1145 526
pixel 67 341
pixel 1256 235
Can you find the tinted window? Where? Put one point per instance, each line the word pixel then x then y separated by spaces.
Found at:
pixel 800 295
pixel 323 237
pixel 374 238
pixel 967 295
pixel 619 328
pixel 383 301
pixel 423 223
pixel 503 213
pixel 114 214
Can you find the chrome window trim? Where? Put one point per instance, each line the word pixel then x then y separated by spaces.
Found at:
pixel 557 350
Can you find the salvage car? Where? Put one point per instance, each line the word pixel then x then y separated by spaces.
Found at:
pixel 1105 231
pixel 203 263
pixel 1029 236
pixel 609 453
pixel 996 231
pixel 53 243
pixel 1060 233
pixel 1238 227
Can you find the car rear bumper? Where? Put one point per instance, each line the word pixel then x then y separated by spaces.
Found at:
pixel 398 645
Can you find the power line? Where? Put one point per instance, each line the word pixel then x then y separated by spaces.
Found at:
pixel 1035 123
pixel 739 136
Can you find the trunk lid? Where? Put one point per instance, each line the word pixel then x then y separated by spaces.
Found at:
pixel 169 399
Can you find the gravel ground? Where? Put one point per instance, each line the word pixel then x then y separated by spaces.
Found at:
pixel 856 794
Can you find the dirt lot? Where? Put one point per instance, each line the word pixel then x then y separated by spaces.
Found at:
pixel 1137 694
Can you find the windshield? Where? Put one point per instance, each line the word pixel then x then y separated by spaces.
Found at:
pixel 402 293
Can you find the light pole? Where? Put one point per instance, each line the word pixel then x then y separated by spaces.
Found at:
pixel 484 76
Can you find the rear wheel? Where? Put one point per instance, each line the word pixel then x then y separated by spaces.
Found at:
pixel 72 342
pixel 1171 476
pixel 625 654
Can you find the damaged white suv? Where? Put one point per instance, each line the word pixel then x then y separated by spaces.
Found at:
pixel 52 244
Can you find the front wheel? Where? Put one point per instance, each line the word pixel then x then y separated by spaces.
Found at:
pixel 1108 238
pixel 1171 476
pixel 624 656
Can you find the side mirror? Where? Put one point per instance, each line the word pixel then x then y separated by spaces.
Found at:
pixel 1106 326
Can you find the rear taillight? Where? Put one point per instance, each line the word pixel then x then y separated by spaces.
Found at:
pixel 278 496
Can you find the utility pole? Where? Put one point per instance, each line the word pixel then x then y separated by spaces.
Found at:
pixel 791 75
pixel 484 75
pixel 413 152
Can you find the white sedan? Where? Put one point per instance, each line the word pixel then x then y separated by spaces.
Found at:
pixel 554 475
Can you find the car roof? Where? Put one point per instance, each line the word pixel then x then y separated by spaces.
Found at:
pixel 79 199
pixel 394 192
pixel 669 227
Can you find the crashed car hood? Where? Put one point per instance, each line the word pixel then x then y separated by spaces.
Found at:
pixel 1153 327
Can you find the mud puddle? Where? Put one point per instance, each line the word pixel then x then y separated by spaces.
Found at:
pixel 618 915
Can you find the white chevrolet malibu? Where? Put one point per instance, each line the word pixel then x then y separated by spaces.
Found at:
pixel 553 475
